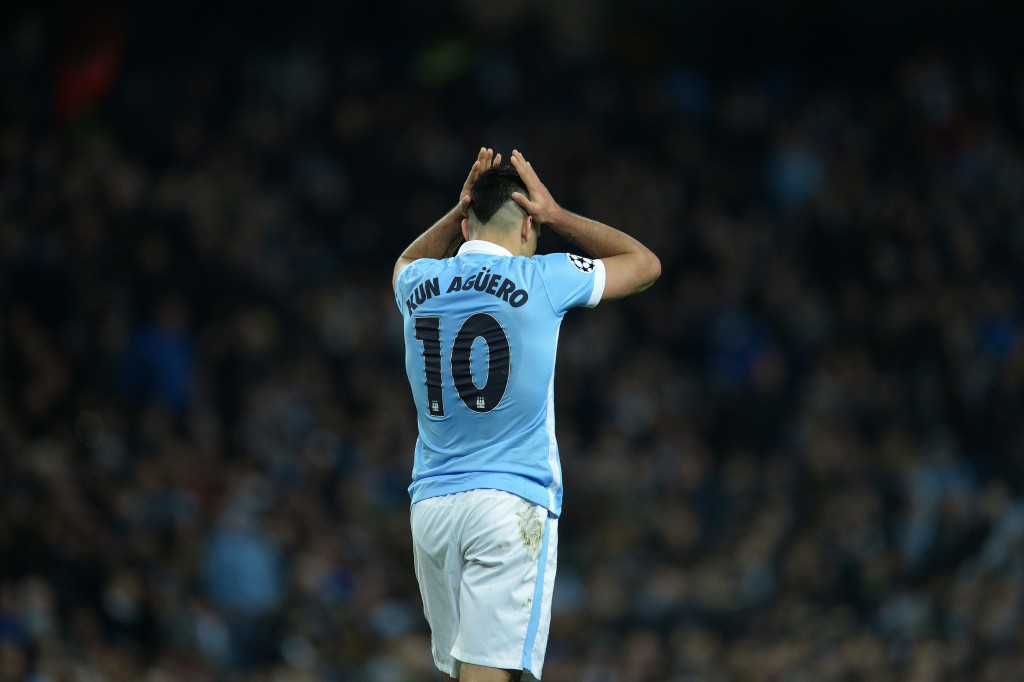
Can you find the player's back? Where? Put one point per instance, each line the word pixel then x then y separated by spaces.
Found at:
pixel 481 334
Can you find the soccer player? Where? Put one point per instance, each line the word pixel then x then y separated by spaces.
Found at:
pixel 481 327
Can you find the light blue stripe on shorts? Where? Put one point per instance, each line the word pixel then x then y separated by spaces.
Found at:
pixel 538 601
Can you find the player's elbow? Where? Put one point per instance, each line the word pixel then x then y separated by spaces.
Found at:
pixel 653 267
pixel 649 271
pixel 630 274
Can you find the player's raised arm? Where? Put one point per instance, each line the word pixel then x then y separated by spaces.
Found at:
pixel 630 267
pixel 444 237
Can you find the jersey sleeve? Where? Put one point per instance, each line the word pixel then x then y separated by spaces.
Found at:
pixel 408 278
pixel 572 280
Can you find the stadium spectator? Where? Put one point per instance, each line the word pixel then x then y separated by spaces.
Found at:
pixel 204 422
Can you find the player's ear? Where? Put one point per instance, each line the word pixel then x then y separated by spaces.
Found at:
pixel 465 229
pixel 524 230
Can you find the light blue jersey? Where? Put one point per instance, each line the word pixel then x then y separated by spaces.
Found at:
pixel 481 331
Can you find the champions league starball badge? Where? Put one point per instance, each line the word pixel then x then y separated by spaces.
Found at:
pixel 581 262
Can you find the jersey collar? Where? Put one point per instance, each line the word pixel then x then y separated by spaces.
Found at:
pixel 483 246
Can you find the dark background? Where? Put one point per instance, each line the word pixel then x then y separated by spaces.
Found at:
pixel 797 457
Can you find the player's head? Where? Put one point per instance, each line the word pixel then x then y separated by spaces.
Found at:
pixel 494 215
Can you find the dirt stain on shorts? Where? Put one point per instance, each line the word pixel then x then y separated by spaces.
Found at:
pixel 531 528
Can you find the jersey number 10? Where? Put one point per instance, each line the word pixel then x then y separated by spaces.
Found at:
pixel 477 398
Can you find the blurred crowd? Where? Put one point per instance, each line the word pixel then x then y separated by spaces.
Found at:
pixel 798 457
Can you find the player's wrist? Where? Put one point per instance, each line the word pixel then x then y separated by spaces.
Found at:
pixel 554 216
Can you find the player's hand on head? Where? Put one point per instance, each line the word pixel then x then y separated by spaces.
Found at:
pixel 540 204
pixel 485 158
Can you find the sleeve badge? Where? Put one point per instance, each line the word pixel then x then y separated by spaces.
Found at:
pixel 582 263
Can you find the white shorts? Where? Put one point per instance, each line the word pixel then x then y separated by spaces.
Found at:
pixel 485 561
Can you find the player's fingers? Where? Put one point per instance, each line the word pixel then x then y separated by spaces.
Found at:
pixel 497 160
pixel 521 199
pixel 522 165
pixel 474 172
pixel 519 164
pixel 480 155
pixel 516 157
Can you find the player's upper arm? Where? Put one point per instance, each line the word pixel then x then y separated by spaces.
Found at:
pixel 570 280
pixel 629 273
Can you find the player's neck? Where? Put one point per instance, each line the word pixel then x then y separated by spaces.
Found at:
pixel 513 244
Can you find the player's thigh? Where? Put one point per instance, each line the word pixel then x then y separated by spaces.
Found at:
pixel 506 581
pixel 435 546
pixel 437 560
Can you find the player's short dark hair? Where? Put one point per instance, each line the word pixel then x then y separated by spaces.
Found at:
pixel 492 189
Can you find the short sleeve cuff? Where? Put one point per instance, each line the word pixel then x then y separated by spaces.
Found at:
pixel 598 291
